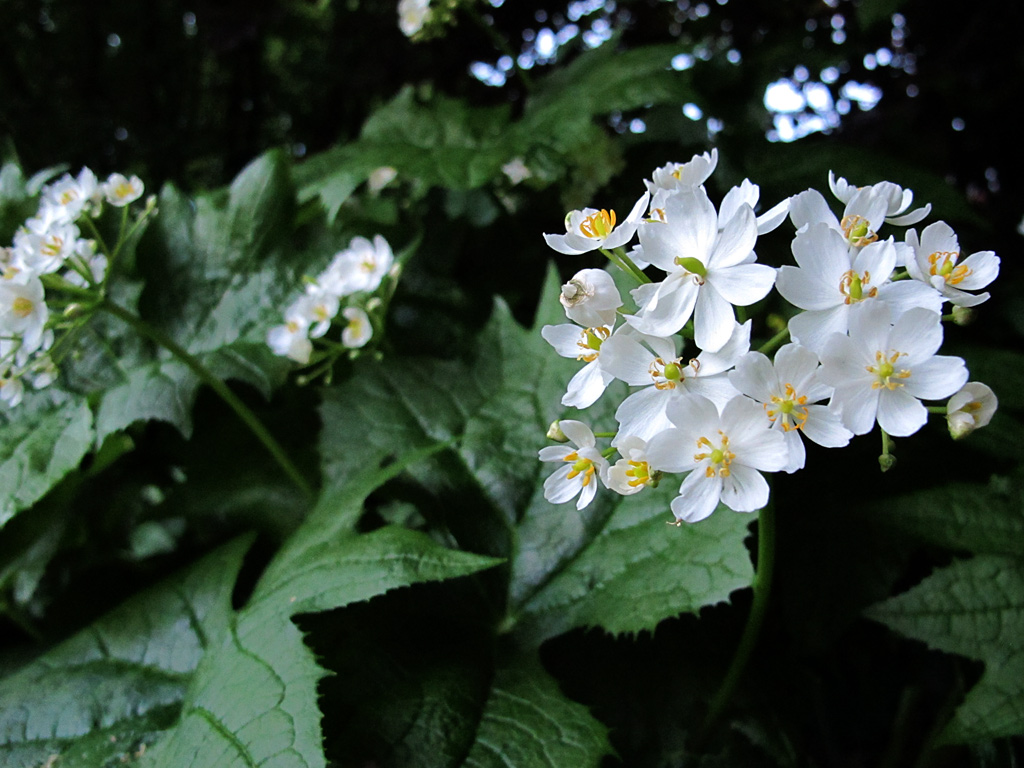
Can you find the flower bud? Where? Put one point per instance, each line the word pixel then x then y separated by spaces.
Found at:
pixel 886 461
pixel 970 408
pixel 963 315
pixel 555 432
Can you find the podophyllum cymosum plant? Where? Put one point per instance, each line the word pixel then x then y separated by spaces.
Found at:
pixel 58 272
pixel 862 351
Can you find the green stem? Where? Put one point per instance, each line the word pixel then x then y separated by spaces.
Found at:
pixel 774 342
pixel 937 409
pixel 762 591
pixel 605 434
pixel 218 386
pixel 96 234
pixel 886 461
pixel 949 318
pixel 623 262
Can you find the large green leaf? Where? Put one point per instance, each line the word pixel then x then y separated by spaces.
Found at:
pixel 253 699
pixel 974 608
pixel 614 564
pixel 41 440
pixel 528 723
pixel 110 688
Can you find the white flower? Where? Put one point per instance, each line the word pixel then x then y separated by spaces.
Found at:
pixel 12 389
pixel 862 217
pixel 39 253
pixel 412 15
pixel 23 313
pixel 66 198
pixel 120 191
pixel 898 199
pixel 881 371
pixel 590 229
pixel 579 467
pixel 360 267
pixel 584 344
pixel 748 193
pixel 709 270
pixel 631 474
pixel 724 455
pixel 651 362
pixel 970 408
pixel 830 280
pixel 591 298
pixel 516 171
pixel 358 331
pixel 292 339
pixel 675 176
pixel 935 261
pixel 788 390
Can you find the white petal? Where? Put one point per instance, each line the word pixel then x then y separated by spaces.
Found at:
pixel 796 450
pixel 814 330
pixel 698 497
pixel 586 386
pixel 743 284
pixel 755 377
pixel 824 428
pixel 936 378
pixel 564 338
pixel 578 432
pixel 643 413
pixel 744 490
pixel 858 405
pixel 670 451
pixel 899 413
pixel 713 319
pixel 805 290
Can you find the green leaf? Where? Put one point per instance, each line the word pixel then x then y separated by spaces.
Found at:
pixel 41 440
pixel 639 570
pixel 253 699
pixel 528 723
pixel 974 608
pixel 162 391
pixel 117 682
pixel 963 516
pixel 614 564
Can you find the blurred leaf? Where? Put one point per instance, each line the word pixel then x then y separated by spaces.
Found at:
pixel 974 608
pixel 164 391
pixel 41 440
pixel 109 688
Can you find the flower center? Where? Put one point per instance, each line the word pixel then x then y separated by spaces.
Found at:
pixel 885 371
pixel 22 307
pixel 791 409
pixel 598 224
pixel 857 230
pixel 693 266
pixel 943 264
pixel 123 190
pixel 52 245
pixel 670 375
pixel 641 474
pixel 853 286
pixel 590 342
pixel 574 292
pixel 580 466
pixel 718 458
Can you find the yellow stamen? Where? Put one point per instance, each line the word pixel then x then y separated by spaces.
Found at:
pixel 858 230
pixel 719 457
pixel 943 264
pixel 22 307
pixel 590 342
pixel 792 409
pixel 598 224
pixel 852 286
pixel 885 370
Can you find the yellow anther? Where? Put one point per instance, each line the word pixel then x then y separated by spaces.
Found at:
pixel 858 230
pixel 590 342
pixel 22 307
pixel 885 371
pixel 943 264
pixel 852 286
pixel 598 224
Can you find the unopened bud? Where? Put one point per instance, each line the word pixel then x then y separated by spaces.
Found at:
pixel 963 315
pixel 555 432
pixel 886 461
pixel 73 310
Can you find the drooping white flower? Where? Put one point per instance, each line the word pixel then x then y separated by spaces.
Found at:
pixel 590 229
pixel 580 466
pixel 358 331
pixel 652 363
pixel 591 298
pixel 882 371
pixel 829 281
pixel 789 389
pixel 709 270
pixel 120 190
pixel 412 15
pixel 935 260
pixel 970 408
pixel 585 344
pixel 723 453
pixel 631 474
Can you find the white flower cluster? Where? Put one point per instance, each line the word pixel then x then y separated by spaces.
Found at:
pixel 357 270
pixel 863 345
pixel 50 243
